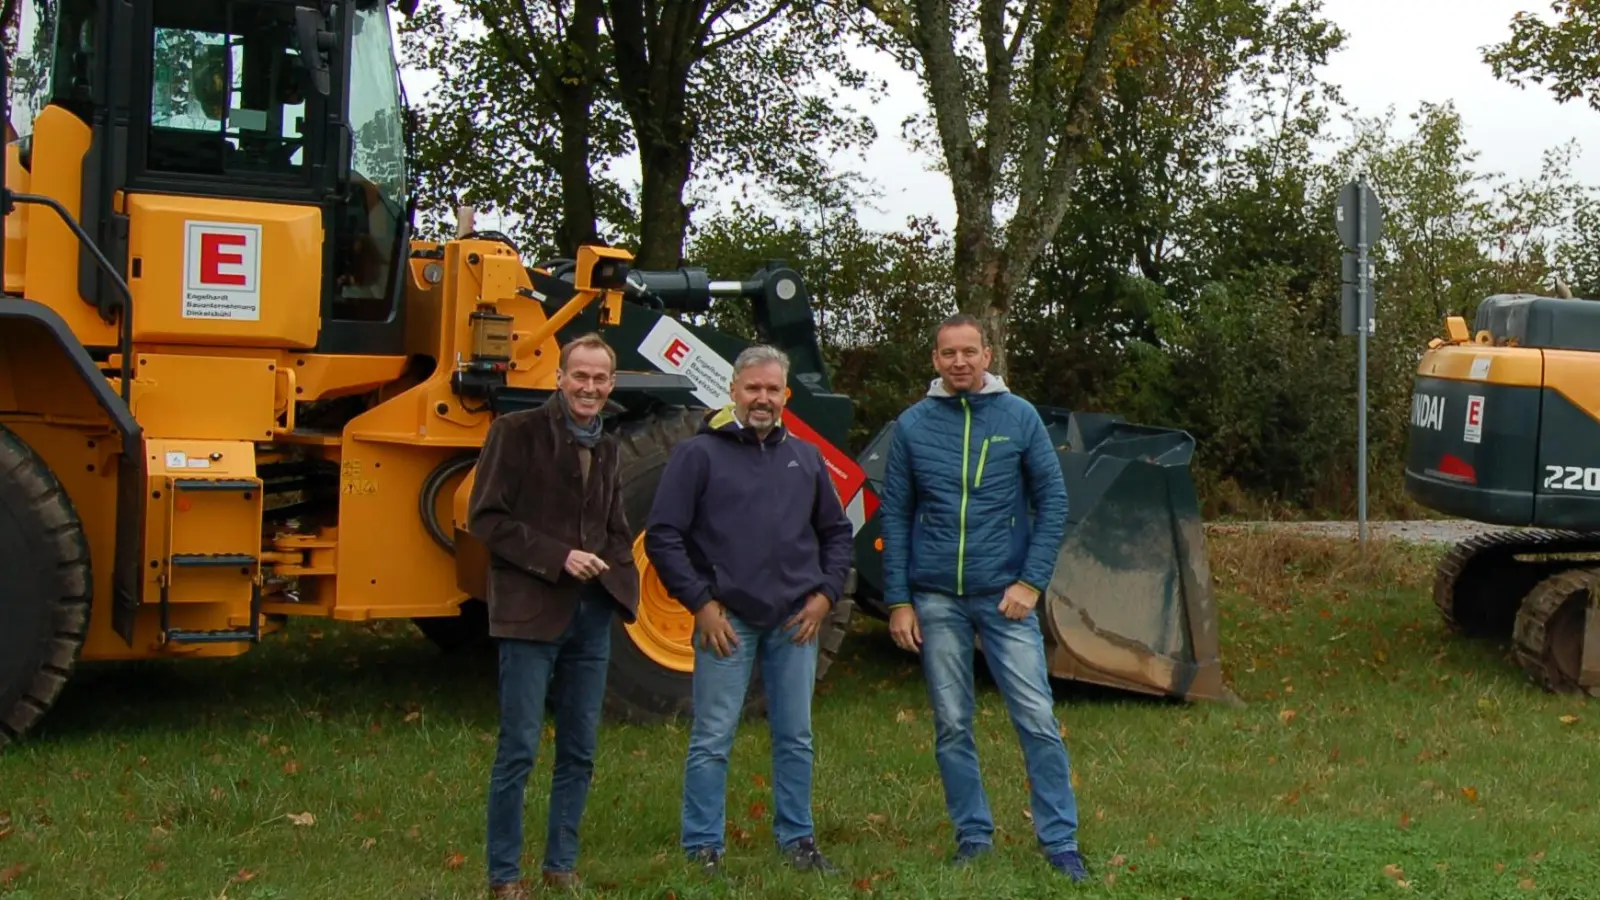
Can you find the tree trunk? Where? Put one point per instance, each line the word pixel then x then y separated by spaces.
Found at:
pixel 977 269
pixel 663 216
pixel 574 98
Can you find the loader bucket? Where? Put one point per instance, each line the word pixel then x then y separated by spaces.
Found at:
pixel 1130 605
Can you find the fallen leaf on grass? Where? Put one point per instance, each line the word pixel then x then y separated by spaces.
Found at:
pixel 1569 719
pixel 759 780
pixel 905 716
pixel 1117 860
pixel 369 843
pixel 291 767
pixel 302 819
pixel 412 716
pixel 242 876
pixel 455 860
pixel 1526 884
pixel 11 873
pixel 156 865
pixel 1393 871
pixel 1537 857
pixel 877 818
pixel 758 810
pixel 1405 821
pixel 1286 716
pixel 1471 793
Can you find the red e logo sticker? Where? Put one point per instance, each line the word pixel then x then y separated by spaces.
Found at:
pixel 675 352
pixel 222 271
pixel 219 249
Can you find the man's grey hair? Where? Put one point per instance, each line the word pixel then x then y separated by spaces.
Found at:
pixel 760 355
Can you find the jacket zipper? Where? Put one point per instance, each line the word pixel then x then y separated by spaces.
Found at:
pixel 966 453
pixel 982 456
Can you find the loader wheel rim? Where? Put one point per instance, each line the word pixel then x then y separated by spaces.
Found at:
pixel 664 631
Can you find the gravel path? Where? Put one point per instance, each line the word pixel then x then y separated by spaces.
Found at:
pixel 1436 531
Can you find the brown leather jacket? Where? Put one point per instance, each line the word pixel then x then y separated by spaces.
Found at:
pixel 530 505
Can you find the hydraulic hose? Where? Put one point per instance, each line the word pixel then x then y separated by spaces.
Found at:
pixel 428 498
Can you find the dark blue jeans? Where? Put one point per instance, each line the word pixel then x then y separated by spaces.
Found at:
pixel 574 667
pixel 788 672
pixel 1014 651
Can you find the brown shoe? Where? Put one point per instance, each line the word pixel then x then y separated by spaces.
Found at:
pixel 561 880
pixel 512 891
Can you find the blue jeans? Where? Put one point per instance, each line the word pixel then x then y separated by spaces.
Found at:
pixel 788 672
pixel 574 667
pixel 1014 651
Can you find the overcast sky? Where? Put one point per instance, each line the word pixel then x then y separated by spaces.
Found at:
pixel 1398 53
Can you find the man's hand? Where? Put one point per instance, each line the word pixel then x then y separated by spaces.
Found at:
pixel 904 629
pixel 584 565
pixel 1018 601
pixel 716 632
pixel 809 619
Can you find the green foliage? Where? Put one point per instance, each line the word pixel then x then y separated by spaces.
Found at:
pixel 536 106
pixel 1562 56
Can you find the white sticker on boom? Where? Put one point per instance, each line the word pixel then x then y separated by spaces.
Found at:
pixel 1472 432
pixel 1480 367
pixel 176 459
pixel 674 349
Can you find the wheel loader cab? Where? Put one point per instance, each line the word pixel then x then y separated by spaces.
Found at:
pixel 243 163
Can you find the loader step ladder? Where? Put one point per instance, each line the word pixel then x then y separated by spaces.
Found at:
pixel 201 512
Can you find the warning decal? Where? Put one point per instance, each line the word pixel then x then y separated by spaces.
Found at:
pixel 222 271
pixel 1472 433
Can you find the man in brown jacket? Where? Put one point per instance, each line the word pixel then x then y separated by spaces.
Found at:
pixel 547 505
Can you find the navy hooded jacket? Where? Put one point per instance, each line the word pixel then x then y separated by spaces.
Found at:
pixel 754 524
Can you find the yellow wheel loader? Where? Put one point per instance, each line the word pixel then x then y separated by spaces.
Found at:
pixel 235 388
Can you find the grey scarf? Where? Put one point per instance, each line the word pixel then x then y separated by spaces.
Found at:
pixel 586 435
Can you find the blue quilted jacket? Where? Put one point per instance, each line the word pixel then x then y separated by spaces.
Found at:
pixel 961 473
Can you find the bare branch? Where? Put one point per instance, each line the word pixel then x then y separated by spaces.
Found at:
pixel 1039 215
pixel 934 38
pixel 741 33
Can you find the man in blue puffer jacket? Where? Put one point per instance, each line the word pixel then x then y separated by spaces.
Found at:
pixel 962 557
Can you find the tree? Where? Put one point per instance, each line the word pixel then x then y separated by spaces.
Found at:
pixel 536 101
pixel 1563 56
pixel 1013 117
pixel 520 119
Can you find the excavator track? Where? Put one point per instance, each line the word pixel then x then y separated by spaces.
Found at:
pixel 1481 582
pixel 1549 632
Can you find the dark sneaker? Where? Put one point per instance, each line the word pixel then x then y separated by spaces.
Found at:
pixel 805 856
pixel 709 859
pixel 1069 863
pixel 969 851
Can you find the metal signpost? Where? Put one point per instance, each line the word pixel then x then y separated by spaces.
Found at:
pixel 1359 222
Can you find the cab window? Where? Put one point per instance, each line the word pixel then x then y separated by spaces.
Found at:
pixel 228 96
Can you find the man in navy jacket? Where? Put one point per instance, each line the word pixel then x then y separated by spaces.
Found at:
pixel 962 557
pixel 748 533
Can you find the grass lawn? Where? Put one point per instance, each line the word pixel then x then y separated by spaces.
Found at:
pixel 1375 757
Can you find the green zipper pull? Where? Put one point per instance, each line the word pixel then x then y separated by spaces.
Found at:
pixel 961 544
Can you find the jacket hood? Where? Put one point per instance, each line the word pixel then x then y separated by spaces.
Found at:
pixel 724 423
pixel 992 384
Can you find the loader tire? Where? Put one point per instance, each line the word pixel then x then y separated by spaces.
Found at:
pixel 650 678
pixel 47 588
